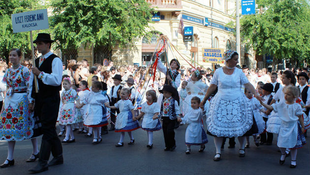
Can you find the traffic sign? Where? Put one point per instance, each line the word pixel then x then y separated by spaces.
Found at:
pixel 248 7
pixel 188 31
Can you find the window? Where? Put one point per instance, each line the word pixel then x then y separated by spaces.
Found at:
pixel 228 45
pixel 216 42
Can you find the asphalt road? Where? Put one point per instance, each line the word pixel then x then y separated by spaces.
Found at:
pixel 82 158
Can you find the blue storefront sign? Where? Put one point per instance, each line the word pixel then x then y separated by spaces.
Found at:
pixel 188 31
pixel 206 22
pixel 220 26
pixel 156 17
pixel 193 19
pixel 248 7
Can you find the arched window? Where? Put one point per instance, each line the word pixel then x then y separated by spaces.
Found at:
pixel 228 45
pixel 216 42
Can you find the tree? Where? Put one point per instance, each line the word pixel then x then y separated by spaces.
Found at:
pixel 8 39
pixel 281 29
pixel 99 22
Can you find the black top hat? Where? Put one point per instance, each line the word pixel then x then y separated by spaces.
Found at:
pixel 303 74
pixel 44 37
pixel 117 77
pixel 268 87
pixel 169 88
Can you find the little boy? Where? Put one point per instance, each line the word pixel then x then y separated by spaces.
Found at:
pixel 130 84
pixel 170 111
pixel 276 85
pixel 304 92
pixel 115 96
pixel 266 137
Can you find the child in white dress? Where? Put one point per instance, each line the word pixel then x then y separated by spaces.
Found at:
pixel 150 111
pixel 194 88
pixel 124 122
pixel 67 114
pixel 83 94
pixel 195 134
pixel 291 131
pixel 182 94
pixel 95 110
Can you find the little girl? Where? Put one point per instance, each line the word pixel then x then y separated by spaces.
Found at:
pixel 195 88
pixel 67 113
pixel 82 96
pixel 124 122
pixel 182 94
pixel 150 111
pixel 291 131
pixel 95 110
pixel 258 122
pixel 195 134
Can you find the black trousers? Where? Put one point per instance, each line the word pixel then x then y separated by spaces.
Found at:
pixel 168 129
pixel 266 137
pixel 113 112
pixel 47 110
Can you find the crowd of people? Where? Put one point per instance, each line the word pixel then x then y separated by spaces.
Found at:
pixel 234 102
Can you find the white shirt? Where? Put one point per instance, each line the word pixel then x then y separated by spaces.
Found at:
pixel 301 88
pixel 175 83
pixel 53 79
pixel 115 89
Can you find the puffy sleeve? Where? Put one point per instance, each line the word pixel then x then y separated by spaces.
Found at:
pixel 156 108
pixel 143 108
pixel 276 106
pixel 243 78
pixel 215 78
pixel 117 104
pixel 131 107
pixel 4 80
pixel 28 77
pixel 298 110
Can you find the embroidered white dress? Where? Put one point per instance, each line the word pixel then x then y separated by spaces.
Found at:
pixel 82 96
pixel 16 121
pixel 67 113
pixel 95 111
pixel 124 122
pixel 195 134
pixel 195 88
pixel 288 114
pixel 149 111
pixel 230 112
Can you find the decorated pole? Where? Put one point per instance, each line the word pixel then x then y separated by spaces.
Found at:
pixel 29 21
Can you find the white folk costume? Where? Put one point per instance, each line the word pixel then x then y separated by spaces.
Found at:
pixel 230 113
pixel 17 122
pixel 195 134
pixel 182 94
pixel 124 122
pixel 195 88
pixel 95 110
pixel 257 115
pixel 274 122
pixel 290 135
pixel 67 113
pixel 149 111
pixel 82 96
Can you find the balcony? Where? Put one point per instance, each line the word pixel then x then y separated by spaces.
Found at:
pixel 166 4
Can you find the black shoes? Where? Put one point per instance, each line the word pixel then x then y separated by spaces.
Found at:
pixel 68 141
pixel 293 165
pixel 188 151
pixel 149 146
pixel 56 161
pixel 39 168
pixel 31 159
pixel 217 157
pixel 131 142
pixel 202 148
pixel 9 163
pixel 119 145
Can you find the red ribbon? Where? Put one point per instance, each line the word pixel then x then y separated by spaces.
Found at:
pixel 156 61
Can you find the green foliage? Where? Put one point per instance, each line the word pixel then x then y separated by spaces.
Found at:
pixel 8 39
pixel 99 22
pixel 281 29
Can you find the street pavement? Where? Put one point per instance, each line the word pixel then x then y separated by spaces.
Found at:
pixel 83 158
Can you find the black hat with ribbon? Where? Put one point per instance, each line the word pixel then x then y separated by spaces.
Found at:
pixel 117 77
pixel 44 37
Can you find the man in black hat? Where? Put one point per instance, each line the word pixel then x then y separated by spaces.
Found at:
pixel 115 96
pixel 48 70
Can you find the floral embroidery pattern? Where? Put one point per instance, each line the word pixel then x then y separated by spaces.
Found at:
pixel 67 114
pixel 16 123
